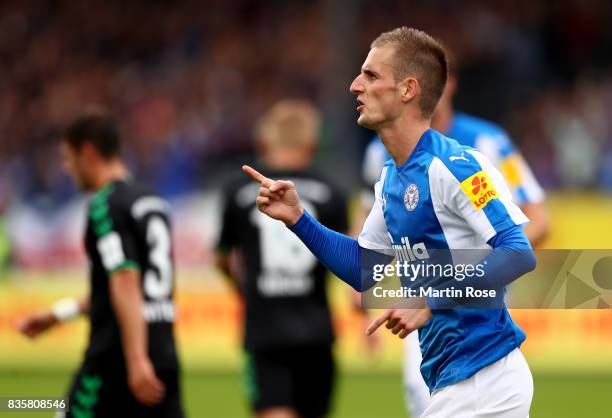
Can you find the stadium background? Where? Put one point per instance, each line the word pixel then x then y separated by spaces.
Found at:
pixel 188 80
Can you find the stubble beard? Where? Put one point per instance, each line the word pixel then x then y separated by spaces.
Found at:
pixel 366 123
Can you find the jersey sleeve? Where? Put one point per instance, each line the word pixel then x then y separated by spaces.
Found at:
pixel 374 235
pixel 115 232
pixel 473 189
pixel 523 184
pixel 500 150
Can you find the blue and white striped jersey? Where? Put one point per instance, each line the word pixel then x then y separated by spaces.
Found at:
pixel 447 196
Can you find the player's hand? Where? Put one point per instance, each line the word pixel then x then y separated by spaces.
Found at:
pixel 35 324
pixel 277 198
pixel 401 322
pixel 144 383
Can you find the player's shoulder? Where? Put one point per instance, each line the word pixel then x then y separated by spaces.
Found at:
pixel 238 189
pixel 477 125
pixel 317 186
pixel 481 134
pixel 449 157
pixel 120 202
pixel 127 191
pixel 131 196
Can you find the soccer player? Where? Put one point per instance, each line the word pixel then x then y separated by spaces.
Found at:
pixel 433 194
pixel 130 366
pixel 288 331
pixel 492 141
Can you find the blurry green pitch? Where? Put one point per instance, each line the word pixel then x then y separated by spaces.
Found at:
pixel 358 395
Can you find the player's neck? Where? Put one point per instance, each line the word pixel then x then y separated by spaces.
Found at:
pixel 109 172
pixel 401 139
pixel 286 161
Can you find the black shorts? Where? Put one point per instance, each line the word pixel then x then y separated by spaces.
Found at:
pixel 102 391
pixel 297 378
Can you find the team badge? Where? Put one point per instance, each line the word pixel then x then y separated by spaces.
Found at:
pixel 411 197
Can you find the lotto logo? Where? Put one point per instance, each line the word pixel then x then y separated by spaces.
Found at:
pixel 478 182
pixel 479 189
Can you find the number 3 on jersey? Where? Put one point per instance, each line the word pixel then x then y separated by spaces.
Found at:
pixel 158 284
pixel 158 279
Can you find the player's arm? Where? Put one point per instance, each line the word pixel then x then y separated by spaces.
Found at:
pixel 492 215
pixel 511 258
pixel 495 219
pixel 227 246
pixel 127 300
pixel 62 311
pixel 227 262
pixel 119 253
pixel 222 261
pixel 339 253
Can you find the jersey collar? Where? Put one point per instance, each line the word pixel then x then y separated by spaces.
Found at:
pixel 425 137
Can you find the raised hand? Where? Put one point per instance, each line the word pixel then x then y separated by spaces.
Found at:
pixel 276 198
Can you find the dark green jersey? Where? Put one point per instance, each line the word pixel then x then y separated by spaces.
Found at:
pixel 128 228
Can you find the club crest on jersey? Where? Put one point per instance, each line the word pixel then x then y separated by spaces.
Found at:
pixel 479 189
pixel 411 197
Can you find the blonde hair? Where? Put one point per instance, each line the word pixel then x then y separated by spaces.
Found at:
pixel 418 55
pixel 290 123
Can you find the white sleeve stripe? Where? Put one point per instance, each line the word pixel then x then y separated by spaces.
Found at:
pixel 369 245
pixel 374 234
pixel 458 229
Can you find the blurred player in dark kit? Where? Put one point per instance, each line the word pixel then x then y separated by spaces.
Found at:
pixel 130 366
pixel 288 331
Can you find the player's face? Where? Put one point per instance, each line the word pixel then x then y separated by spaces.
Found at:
pixel 76 166
pixel 378 93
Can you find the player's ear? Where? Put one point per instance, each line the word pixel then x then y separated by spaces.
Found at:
pixel 451 84
pixel 409 88
pixel 88 151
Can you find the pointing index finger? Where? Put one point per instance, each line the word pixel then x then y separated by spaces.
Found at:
pixel 378 322
pixel 256 175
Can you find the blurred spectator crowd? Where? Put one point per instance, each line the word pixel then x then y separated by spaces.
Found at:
pixel 186 79
pixel 189 78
